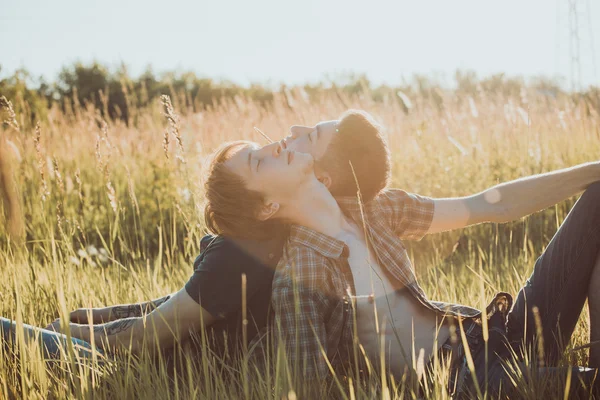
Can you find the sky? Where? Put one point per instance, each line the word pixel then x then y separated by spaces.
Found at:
pixel 280 41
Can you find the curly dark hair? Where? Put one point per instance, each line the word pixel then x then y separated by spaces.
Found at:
pixel 360 143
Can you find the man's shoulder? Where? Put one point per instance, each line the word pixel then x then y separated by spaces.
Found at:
pixel 388 194
pixel 400 193
pixel 392 199
pixel 383 199
pixel 223 249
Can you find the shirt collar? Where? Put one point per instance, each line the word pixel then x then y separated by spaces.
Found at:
pixel 349 204
pixel 325 245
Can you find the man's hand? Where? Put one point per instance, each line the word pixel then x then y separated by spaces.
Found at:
pixel 99 315
pixel 113 313
pixel 81 317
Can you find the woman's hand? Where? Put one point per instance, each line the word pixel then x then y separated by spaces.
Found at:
pixel 99 316
pixel 76 331
pixel 54 326
pixel 81 317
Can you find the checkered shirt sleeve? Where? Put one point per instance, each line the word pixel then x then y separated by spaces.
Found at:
pixel 409 214
pixel 300 305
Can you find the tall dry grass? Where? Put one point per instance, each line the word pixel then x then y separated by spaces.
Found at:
pixel 112 214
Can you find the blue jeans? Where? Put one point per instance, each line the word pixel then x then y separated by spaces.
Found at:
pixel 51 342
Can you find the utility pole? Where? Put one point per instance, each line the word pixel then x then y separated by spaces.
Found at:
pixel 574 46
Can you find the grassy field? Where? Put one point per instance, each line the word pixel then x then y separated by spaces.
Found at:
pixel 105 213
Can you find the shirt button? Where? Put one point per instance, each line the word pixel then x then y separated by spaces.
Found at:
pixel 271 256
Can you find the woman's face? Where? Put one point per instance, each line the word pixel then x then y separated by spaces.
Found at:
pixel 276 172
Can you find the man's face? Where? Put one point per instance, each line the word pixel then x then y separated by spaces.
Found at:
pixel 313 140
pixel 276 172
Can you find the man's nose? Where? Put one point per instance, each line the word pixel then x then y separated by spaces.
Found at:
pixel 299 130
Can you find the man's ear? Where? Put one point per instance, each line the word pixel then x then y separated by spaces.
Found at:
pixel 267 211
pixel 324 178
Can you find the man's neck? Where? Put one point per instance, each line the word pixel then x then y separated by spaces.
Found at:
pixel 316 209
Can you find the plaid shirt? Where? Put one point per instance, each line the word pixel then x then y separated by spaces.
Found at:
pixel 313 282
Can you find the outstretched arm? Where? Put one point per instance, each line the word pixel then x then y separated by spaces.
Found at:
pixel 161 328
pixel 513 200
pixel 112 313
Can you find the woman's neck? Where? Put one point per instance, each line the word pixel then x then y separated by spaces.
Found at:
pixel 315 208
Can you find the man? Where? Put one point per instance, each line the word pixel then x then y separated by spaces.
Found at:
pixel 213 295
pixel 345 275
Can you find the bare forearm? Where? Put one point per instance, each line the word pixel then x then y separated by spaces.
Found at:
pixel 134 310
pixel 173 320
pixel 521 197
pixel 125 332
pixel 112 313
pixel 134 333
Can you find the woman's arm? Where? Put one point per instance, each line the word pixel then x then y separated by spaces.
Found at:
pixel 161 328
pixel 112 313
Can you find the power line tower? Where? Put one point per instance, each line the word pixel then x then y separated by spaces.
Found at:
pixel 574 46
pixel 579 38
pixel 592 43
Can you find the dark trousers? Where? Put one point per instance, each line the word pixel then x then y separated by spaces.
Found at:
pixel 557 289
pixel 558 286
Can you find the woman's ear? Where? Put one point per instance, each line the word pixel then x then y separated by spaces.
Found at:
pixel 267 211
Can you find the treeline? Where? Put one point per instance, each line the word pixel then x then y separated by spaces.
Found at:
pixel 117 95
